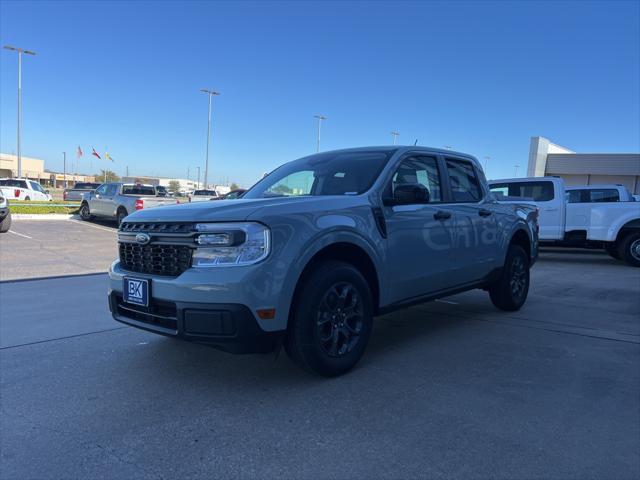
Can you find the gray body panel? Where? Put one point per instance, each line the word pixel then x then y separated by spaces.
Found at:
pixel 418 257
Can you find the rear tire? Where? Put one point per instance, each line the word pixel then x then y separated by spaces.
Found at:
pixel 27 199
pixel 85 213
pixel 510 291
pixel 5 225
pixel 629 249
pixel 331 320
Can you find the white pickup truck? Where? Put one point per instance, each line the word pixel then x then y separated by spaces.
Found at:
pixel 23 189
pixel 596 216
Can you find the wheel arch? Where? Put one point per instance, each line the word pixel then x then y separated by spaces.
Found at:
pixel 521 237
pixel 630 226
pixel 346 252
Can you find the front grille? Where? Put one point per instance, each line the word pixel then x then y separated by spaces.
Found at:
pixel 169 260
pixel 167 228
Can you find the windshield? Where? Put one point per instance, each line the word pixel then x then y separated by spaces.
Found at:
pixel 332 173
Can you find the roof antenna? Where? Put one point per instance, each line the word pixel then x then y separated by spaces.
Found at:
pixel 415 143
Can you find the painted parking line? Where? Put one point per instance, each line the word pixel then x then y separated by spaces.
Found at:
pixel 106 229
pixel 20 234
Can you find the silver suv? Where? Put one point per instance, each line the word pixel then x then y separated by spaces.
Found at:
pixel 315 250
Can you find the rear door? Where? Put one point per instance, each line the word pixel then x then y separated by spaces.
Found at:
pixel 420 236
pixel 476 247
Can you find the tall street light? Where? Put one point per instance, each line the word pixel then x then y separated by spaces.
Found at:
pixel 320 119
pixel 515 174
pixel 20 52
pixel 486 160
pixel 395 136
pixel 210 93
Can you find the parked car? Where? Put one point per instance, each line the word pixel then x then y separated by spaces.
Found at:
pixel 117 200
pixel 162 191
pixel 5 215
pixel 310 254
pixel 233 194
pixel 79 189
pixel 580 217
pixel 23 189
pixel 202 195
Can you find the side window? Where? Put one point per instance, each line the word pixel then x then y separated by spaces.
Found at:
pixel 604 195
pixel 573 196
pixel 111 190
pixel 465 186
pixel 101 190
pixel 422 170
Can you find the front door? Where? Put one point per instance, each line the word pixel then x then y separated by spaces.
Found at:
pixel 420 237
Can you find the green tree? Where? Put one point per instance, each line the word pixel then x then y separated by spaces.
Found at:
pixel 174 186
pixel 110 176
pixel 234 186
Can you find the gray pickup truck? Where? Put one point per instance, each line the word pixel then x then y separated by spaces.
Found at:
pixel 78 190
pixel 316 249
pixel 117 200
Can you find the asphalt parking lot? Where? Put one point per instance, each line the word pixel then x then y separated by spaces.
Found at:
pixel 41 248
pixel 449 389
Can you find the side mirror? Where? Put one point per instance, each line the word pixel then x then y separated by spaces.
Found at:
pixel 409 194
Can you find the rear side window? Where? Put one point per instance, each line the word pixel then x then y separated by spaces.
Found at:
pixel 595 195
pixel 13 183
pixel 465 186
pixel 536 191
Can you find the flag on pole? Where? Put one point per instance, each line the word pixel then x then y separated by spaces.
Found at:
pixel 79 153
pixel 95 154
pixel 108 157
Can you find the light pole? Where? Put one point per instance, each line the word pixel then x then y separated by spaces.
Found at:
pixel 448 147
pixel 209 93
pixel 20 52
pixel 516 172
pixel 395 136
pixel 486 160
pixel 198 184
pixel 64 168
pixel 320 119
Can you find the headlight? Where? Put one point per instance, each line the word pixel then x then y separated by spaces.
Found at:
pixel 229 244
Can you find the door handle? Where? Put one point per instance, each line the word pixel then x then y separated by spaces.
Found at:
pixel 484 213
pixel 441 215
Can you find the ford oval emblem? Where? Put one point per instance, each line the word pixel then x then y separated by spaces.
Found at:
pixel 143 238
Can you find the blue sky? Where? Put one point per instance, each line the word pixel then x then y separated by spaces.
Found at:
pixel 482 77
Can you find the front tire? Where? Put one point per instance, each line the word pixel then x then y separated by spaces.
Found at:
pixel 120 217
pixel 331 320
pixel 5 225
pixel 629 249
pixel 510 291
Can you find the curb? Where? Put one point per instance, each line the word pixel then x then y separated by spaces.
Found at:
pixel 45 216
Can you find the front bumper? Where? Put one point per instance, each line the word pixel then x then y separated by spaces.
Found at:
pixel 211 306
pixel 228 327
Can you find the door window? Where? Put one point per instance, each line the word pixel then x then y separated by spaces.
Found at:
pixel 101 190
pixel 465 186
pixel 422 170
pixel 111 190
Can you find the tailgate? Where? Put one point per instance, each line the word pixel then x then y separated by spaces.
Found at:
pixel 150 202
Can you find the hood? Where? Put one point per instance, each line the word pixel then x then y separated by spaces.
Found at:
pixel 240 209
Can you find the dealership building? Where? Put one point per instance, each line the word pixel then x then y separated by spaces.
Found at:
pixel 549 159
